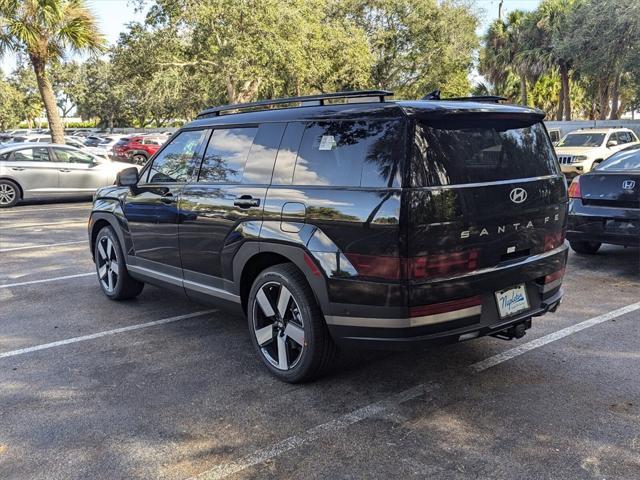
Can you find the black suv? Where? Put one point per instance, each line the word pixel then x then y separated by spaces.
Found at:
pixel 346 219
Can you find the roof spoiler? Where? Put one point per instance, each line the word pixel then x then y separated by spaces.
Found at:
pixel 435 95
pixel 306 101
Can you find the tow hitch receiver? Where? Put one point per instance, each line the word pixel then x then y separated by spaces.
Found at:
pixel 515 331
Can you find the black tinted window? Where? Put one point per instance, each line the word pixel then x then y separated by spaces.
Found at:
pixel 628 159
pixel 226 155
pixel 176 162
pixel 262 155
pixel 334 153
pixel 459 151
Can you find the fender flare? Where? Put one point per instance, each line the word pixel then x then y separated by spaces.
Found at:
pixel 117 223
pixel 293 253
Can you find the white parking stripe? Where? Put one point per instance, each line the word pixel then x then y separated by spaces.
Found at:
pixel 45 280
pixel 343 421
pixel 115 331
pixel 56 224
pixel 18 210
pixel 50 245
pixel 226 469
pixel 552 337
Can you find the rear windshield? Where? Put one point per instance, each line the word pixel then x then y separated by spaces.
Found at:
pixel 622 161
pixel 459 151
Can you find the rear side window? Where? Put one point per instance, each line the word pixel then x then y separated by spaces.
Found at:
pixel 226 155
pixel 469 150
pixel 38 154
pixel 349 153
pixel 262 156
pixel 628 159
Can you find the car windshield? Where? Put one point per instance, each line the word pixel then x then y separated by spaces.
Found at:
pixel 582 140
pixel 622 161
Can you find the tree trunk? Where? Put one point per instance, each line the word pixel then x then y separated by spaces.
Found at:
pixel 560 113
pixel 523 90
pixel 603 99
pixel 49 100
pixel 564 77
pixel 615 98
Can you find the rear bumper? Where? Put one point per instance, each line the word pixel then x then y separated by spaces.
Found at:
pixel 487 323
pixel 393 328
pixel 616 226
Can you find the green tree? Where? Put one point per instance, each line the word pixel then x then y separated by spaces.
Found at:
pixel 10 106
pixel 24 81
pixel 43 30
pixel 418 45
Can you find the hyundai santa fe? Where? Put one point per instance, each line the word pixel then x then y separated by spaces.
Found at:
pixel 346 219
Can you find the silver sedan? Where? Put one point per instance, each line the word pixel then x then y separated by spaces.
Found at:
pixel 29 170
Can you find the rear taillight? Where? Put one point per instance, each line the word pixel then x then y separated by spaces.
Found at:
pixel 553 240
pixel 574 188
pixel 442 264
pixel 390 268
pixel 552 277
pixel 415 268
pixel 444 307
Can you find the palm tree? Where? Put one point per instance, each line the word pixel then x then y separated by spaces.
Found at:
pixel 44 30
pixel 500 58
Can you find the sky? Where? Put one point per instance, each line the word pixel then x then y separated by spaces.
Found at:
pixel 113 16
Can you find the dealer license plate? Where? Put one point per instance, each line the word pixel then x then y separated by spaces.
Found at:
pixel 512 300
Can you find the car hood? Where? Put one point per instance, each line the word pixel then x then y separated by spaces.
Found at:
pixel 576 150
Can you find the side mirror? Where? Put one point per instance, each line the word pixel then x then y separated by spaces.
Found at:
pixel 127 177
pixel 612 143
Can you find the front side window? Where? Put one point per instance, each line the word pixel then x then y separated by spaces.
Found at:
pixel 39 154
pixel 72 156
pixel 582 140
pixel 226 155
pixel 178 160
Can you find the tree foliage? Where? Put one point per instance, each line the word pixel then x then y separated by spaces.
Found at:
pixel 590 48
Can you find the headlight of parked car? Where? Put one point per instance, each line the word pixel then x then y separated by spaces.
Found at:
pixel 578 158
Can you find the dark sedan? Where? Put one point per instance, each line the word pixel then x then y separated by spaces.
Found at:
pixel 605 204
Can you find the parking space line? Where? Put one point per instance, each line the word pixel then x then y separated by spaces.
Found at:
pixel 226 469
pixel 105 333
pixel 50 209
pixel 45 280
pixel 56 224
pixel 552 337
pixel 15 249
pixel 260 456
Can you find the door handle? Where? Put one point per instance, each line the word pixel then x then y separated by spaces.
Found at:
pixel 17 169
pixel 168 198
pixel 246 201
pixel 65 170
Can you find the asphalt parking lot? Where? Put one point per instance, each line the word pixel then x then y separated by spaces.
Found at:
pixel 160 387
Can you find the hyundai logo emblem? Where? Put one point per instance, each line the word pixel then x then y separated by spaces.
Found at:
pixel 628 184
pixel 518 195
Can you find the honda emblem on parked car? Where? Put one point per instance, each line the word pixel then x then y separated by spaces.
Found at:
pixel 518 195
pixel 628 184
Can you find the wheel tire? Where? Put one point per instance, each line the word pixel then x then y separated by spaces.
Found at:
pixel 586 248
pixel 113 277
pixel 9 193
pixel 308 356
pixel 139 159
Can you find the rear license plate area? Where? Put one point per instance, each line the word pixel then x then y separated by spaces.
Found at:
pixel 512 301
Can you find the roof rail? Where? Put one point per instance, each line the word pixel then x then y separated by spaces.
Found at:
pixel 435 95
pixel 310 100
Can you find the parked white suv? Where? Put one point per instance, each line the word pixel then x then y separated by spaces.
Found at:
pixel 582 150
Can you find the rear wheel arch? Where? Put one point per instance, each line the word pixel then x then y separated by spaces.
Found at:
pixel 248 267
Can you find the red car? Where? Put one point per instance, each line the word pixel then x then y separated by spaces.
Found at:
pixel 137 149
